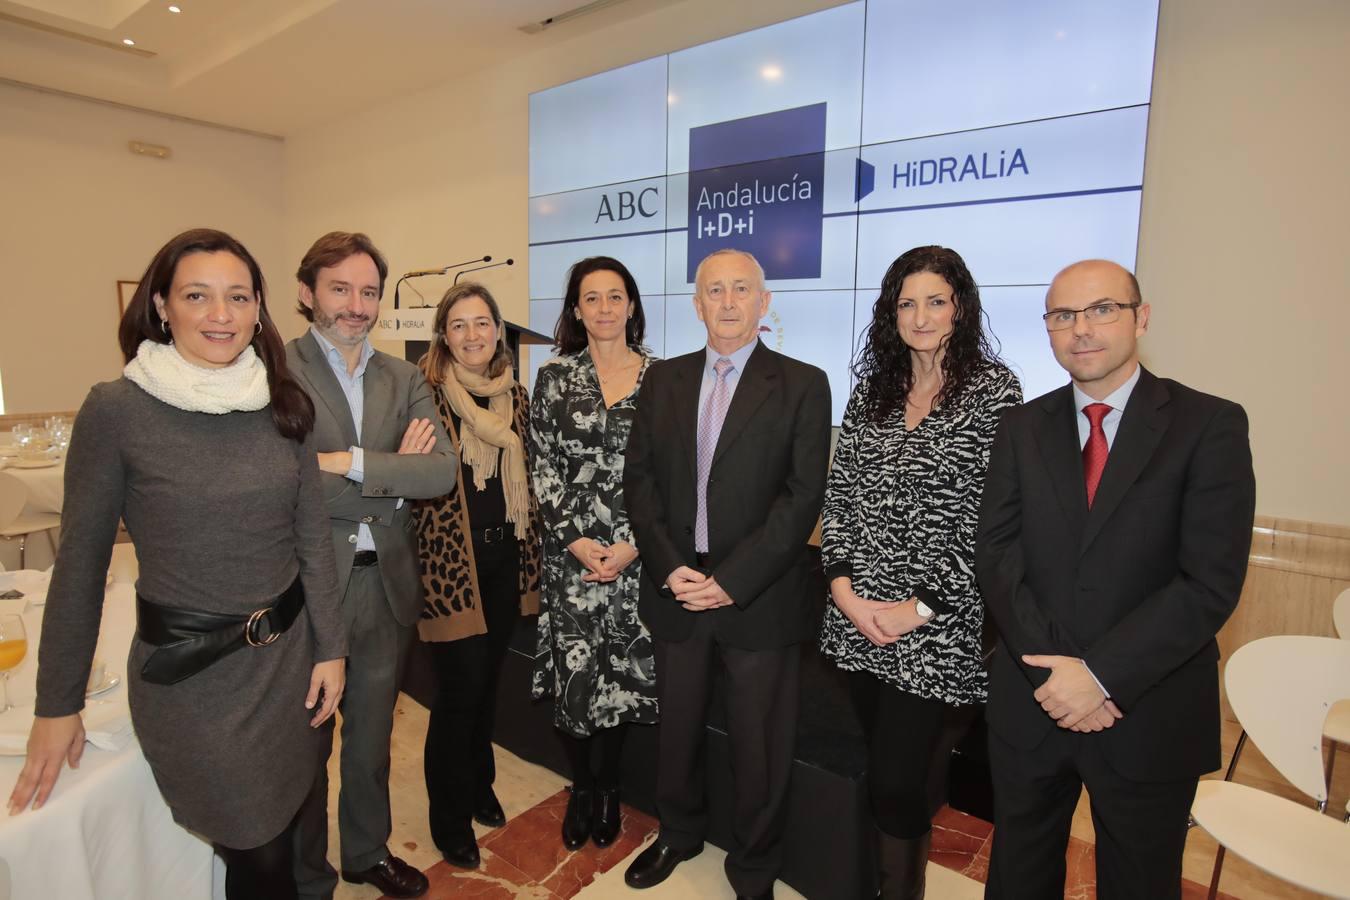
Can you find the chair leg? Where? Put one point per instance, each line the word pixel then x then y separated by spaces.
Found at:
pixel 1237 751
pixel 1331 765
pixel 1218 857
pixel 1218 870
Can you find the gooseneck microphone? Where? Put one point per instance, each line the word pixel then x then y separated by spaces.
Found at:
pixel 418 273
pixel 507 262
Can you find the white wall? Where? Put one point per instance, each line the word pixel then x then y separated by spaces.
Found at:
pixel 1243 238
pixel 79 211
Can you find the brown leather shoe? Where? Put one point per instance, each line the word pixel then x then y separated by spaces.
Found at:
pixel 393 877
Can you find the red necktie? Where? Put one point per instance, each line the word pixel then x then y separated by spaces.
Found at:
pixel 1095 450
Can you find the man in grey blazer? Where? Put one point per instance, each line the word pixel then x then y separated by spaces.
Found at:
pixel 380 444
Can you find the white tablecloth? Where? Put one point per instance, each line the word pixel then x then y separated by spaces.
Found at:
pixel 46 487
pixel 105 832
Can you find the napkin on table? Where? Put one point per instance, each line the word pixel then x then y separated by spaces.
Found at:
pixel 106 725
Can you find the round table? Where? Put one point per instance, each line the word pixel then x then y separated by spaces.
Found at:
pixel 46 487
pixel 105 831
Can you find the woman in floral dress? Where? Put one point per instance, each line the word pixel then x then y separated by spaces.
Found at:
pixel 593 654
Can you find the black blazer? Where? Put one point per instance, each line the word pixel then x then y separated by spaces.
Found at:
pixel 764 495
pixel 1138 587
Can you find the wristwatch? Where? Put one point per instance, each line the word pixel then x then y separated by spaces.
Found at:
pixel 923 609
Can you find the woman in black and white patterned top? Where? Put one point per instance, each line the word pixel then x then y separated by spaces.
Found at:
pixel 898 535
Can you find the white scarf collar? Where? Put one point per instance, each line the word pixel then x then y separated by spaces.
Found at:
pixel 161 372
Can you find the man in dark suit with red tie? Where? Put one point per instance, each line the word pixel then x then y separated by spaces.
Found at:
pixel 1114 533
pixel 723 481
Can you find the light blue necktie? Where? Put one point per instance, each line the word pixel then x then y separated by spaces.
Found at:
pixel 709 428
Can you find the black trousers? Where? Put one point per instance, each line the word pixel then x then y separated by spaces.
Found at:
pixel 261 873
pixel 458 760
pixel 596 761
pixel 1140 826
pixel 761 704
pixel 904 733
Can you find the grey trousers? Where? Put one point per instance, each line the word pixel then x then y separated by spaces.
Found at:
pixel 378 649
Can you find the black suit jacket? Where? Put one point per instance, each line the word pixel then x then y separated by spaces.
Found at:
pixel 765 491
pixel 1138 586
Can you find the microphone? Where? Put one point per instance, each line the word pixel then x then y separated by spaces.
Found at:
pixel 507 262
pixel 418 273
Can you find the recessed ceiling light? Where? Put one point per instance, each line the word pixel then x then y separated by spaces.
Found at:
pixel 129 42
pixel 174 9
pixel 771 72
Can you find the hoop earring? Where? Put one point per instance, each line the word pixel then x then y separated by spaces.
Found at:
pixel 164 326
pixel 257 328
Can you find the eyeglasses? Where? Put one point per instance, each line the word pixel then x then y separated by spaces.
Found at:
pixel 1097 314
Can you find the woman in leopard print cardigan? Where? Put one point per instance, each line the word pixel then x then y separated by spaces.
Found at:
pixel 480 561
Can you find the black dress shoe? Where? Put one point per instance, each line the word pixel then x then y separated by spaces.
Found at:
pixel 607 817
pixel 655 864
pixel 392 876
pixel 576 826
pixel 465 856
pixel 767 895
pixel 489 812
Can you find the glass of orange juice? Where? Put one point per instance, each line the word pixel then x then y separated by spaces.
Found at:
pixel 13 648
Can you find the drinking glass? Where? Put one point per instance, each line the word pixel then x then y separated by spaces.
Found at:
pixel 13 648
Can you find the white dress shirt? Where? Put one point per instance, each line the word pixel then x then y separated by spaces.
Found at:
pixel 354 389
pixel 1110 425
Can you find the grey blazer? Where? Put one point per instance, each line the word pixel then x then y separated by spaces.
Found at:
pixel 395 394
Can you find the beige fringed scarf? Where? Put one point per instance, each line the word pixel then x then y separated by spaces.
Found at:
pixel 484 431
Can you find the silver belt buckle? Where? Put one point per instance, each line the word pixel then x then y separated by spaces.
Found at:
pixel 251 629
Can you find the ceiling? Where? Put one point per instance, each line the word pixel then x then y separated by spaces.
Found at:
pixel 272 66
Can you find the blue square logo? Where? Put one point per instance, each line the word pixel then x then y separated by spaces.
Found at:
pixel 758 184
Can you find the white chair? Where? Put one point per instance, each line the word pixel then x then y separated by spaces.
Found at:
pixel 1281 689
pixel 14 522
pixel 1340 614
pixel 1337 728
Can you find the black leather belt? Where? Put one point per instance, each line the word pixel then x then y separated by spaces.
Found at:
pixel 493 533
pixel 364 558
pixel 188 640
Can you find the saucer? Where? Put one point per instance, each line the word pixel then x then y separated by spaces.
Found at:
pixel 19 463
pixel 109 682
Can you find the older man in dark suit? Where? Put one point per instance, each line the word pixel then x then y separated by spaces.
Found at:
pixel 1113 542
pixel 380 443
pixel 724 480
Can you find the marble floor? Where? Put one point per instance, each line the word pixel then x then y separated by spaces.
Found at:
pixel 526 859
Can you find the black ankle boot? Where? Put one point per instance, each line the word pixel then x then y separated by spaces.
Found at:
pixel 903 866
pixel 607 817
pixel 576 826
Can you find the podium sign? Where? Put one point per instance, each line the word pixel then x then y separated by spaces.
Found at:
pixel 404 325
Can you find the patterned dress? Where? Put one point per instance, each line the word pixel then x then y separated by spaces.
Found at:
pixel 593 653
pixel 901 510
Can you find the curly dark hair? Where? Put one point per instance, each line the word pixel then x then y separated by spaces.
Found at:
pixel 884 368
pixel 569 335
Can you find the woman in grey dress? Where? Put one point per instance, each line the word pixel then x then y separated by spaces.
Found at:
pixel 202 449
pixel 593 655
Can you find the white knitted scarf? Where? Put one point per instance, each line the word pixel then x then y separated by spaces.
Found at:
pixel 162 373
